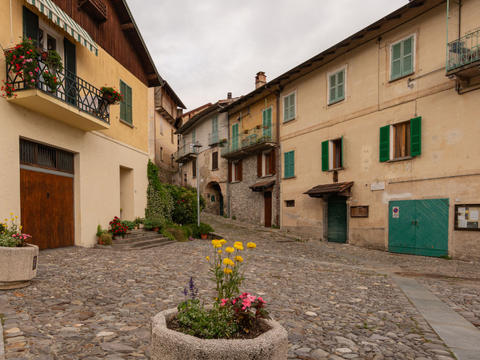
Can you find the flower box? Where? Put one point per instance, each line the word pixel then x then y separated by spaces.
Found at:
pixel 18 265
pixel 173 345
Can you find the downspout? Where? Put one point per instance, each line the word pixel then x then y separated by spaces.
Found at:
pixel 229 214
pixel 11 23
pixel 278 159
pixel 447 50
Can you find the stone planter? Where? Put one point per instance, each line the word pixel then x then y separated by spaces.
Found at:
pixel 172 345
pixel 17 266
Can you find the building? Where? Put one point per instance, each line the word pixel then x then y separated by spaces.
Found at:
pixel 70 161
pixel 163 127
pixel 251 151
pixel 201 139
pixel 378 135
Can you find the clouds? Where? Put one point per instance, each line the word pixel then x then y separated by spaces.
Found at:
pixel 205 49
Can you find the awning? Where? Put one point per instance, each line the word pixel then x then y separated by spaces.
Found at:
pixel 262 185
pixel 60 18
pixel 329 189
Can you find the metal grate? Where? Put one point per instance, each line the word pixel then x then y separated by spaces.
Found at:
pixel 45 156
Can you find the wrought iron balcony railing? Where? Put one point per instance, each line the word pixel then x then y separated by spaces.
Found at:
pixel 214 139
pixel 464 51
pixel 185 152
pixel 250 140
pixel 71 89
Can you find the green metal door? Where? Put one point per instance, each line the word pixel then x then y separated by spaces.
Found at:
pixel 419 227
pixel 337 220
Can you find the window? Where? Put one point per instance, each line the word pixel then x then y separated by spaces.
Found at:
pixel 161 153
pixel 235 171
pixel 266 163
pixel 289 107
pixel 235 136
pixel 194 168
pixel 402 58
pixel 290 203
pixel 172 136
pixel 215 160
pixel 336 86
pixel 401 140
pixel 332 154
pixel 126 103
pixel 214 139
pixel 289 164
pixel 51 43
pixel 194 136
pixel 267 123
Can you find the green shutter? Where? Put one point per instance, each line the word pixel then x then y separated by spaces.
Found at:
pixel 30 25
pixel 396 66
pixel 289 164
pixel 337 87
pixel 235 136
pixel 129 102
pixel 325 156
pixel 407 60
pixel 267 122
pixel 385 143
pixel 123 106
pixel 286 108
pixel 416 136
pixel 340 85
pixel 333 88
pixel 341 152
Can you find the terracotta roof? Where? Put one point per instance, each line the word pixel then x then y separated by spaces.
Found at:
pixel 321 190
pixel 262 185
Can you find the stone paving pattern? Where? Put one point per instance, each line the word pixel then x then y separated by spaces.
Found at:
pixel 336 301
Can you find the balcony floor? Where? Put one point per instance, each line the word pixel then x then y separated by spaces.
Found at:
pixel 40 102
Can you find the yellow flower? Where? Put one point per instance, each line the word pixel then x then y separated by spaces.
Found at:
pixel 11 214
pixel 227 271
pixel 222 241
pixel 227 261
pixel 238 258
pixel 216 244
pixel 238 245
pixel 251 245
pixel 20 227
pixel 229 249
pixel 207 258
pixel 219 251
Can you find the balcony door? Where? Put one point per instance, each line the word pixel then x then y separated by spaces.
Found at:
pixel 70 72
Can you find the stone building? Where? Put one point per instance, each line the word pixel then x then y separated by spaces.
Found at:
pixel 251 151
pixel 201 138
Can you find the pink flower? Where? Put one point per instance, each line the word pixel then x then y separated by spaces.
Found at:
pixel 223 302
pixel 261 300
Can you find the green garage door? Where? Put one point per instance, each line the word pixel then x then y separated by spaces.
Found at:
pixel 337 220
pixel 419 227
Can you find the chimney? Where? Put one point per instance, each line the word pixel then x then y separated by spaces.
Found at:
pixel 260 79
pixel 229 95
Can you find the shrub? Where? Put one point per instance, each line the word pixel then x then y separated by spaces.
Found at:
pixel 198 231
pixel 177 232
pixel 129 224
pixel 117 228
pixel 159 199
pixel 105 239
pixel 185 204
pixel 156 222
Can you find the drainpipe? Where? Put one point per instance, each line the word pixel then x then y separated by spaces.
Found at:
pixel 447 55
pixel 229 214
pixel 278 158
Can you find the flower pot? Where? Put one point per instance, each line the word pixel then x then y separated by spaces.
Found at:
pixel 172 345
pixel 17 266
pixel 204 236
pixel 156 229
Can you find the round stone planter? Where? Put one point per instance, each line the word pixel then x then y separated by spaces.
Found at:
pixel 172 345
pixel 17 266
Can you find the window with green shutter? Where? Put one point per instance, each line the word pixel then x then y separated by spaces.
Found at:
pixel 336 86
pixel 406 138
pixel 194 136
pixel 214 139
pixel 402 58
pixel 333 161
pixel 289 107
pixel 126 103
pixel 235 136
pixel 289 164
pixel 267 122
pixel 385 143
pixel 325 156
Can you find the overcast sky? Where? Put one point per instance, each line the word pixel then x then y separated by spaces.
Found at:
pixel 206 48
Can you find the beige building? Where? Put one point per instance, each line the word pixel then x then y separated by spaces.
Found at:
pixel 69 160
pixel 164 123
pixel 379 135
pixel 201 138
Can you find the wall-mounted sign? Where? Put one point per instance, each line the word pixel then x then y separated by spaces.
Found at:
pixel 395 212
pixel 377 186
pixel 467 217
pixel 359 211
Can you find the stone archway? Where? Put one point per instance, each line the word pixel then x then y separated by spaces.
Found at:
pixel 214 199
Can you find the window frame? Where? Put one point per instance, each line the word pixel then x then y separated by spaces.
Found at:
pixel 329 75
pixel 124 103
pixel 213 167
pixel 294 93
pixel 414 52
pixel 331 155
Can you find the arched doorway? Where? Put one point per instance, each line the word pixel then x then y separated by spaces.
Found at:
pixel 214 199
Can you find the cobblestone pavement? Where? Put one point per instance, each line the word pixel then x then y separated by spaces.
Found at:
pixel 333 299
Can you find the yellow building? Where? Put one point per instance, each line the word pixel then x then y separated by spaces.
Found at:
pixel 253 188
pixel 71 161
pixel 379 135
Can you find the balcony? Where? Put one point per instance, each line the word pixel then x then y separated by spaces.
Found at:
pixel 250 142
pixel 464 57
pixel 185 153
pixel 214 139
pixel 75 101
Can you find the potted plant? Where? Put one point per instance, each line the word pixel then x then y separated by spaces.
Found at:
pixel 110 95
pixel 138 221
pixel 235 326
pixel 104 237
pixel 18 259
pixel 117 228
pixel 201 231
pixel 22 64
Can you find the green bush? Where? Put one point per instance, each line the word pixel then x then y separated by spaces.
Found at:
pixel 105 238
pixel 177 232
pixel 197 231
pixel 217 323
pixel 129 224
pixel 155 222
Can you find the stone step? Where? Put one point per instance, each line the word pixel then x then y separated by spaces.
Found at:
pixel 154 245
pixel 127 239
pixel 140 245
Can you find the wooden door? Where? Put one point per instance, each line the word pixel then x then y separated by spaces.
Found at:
pixel 268 208
pixel 47 208
pixel 337 220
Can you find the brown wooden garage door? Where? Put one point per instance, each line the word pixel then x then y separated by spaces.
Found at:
pixel 46 195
